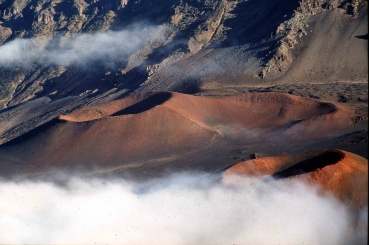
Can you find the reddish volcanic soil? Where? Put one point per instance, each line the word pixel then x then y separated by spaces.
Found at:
pixel 155 128
pixel 296 116
pixel 343 174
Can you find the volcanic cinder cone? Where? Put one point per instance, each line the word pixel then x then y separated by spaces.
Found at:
pixel 163 126
pixel 341 173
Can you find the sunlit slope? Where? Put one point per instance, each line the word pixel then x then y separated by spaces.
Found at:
pixel 341 173
pixel 161 125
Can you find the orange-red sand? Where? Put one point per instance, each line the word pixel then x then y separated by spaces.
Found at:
pixel 161 124
pixel 343 174
pixel 295 116
pixel 167 125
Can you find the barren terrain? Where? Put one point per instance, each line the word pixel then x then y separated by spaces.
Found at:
pixel 169 131
pixel 244 92
pixel 341 173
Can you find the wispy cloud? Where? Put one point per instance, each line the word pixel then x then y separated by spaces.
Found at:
pixel 168 211
pixel 108 47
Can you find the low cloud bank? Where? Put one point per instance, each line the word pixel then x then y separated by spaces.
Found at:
pixel 105 47
pixel 174 210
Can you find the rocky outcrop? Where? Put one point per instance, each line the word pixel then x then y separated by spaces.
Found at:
pixel 193 26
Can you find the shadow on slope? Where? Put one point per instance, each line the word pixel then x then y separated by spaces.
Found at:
pixel 250 25
pixel 364 37
pixel 145 105
pixel 309 165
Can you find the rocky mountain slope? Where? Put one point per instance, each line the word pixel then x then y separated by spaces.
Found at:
pixel 57 56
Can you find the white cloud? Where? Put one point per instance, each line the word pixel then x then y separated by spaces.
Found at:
pixel 106 47
pixel 168 211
